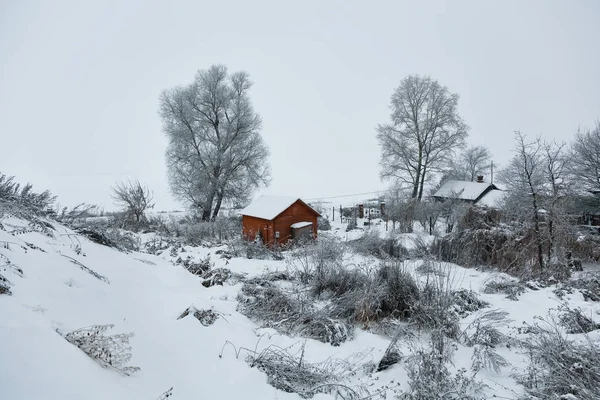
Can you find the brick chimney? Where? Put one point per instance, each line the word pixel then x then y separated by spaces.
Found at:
pixel 479 178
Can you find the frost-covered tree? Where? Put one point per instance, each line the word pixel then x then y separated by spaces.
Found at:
pixel 584 162
pixel 133 197
pixel 216 152
pixel 524 178
pixel 424 131
pixel 470 162
pixel 557 190
pixel 536 186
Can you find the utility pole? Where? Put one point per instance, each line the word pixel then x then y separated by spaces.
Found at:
pixel 333 218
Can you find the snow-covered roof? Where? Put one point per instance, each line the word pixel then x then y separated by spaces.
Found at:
pixel 492 199
pixel 463 190
pixel 301 224
pixel 268 207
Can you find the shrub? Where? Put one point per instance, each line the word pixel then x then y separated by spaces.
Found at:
pixel 486 357
pixel 4 285
pixel 351 225
pixel 504 284
pixel 338 280
pixel 313 260
pixel 110 351
pixel 400 288
pixel 560 367
pixel 485 329
pixel 264 301
pixel 485 335
pixel 199 268
pixel 292 374
pixel 430 378
pixel 111 237
pixel 436 308
pixel 206 317
pixel 389 292
pixel 574 321
pixel 323 224
pixel 588 284
pixel 370 244
pixel 467 301
pixel 216 277
pixel 22 201
pixel 507 248
pixel 252 250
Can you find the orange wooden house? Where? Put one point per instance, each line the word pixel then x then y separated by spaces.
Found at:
pixel 277 219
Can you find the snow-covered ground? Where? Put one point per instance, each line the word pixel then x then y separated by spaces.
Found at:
pixel 145 294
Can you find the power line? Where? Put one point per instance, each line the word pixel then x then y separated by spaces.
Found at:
pixel 343 195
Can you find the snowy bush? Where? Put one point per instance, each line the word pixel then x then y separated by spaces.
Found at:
pixel 290 313
pixel 430 377
pixel 22 201
pixel 506 248
pixel 574 321
pixel 338 280
pixel 485 329
pixel 293 374
pixel 110 351
pixel 216 276
pixel 365 296
pixel 401 290
pixel 486 357
pixel 351 225
pixel 586 247
pixel 222 229
pixel 512 288
pixel 485 334
pixel 467 301
pixel 252 250
pixel 4 285
pixel 371 244
pixel 196 268
pixel 588 284
pixel 560 367
pixel 111 237
pixel 313 260
pixel 434 309
pixel 323 224
pixel 206 317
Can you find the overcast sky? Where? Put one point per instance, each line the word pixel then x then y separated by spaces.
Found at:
pixel 80 80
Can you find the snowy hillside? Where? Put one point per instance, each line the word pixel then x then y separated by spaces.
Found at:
pixel 61 281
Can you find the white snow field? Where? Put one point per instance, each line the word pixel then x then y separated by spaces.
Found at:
pixel 146 294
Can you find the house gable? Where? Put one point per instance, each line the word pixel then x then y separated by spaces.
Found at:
pixel 269 207
pixel 464 190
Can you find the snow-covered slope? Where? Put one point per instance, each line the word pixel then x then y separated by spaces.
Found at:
pixel 145 294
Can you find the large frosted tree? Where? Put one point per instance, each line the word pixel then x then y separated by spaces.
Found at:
pixel 215 153
pixel 424 131
pixel 585 158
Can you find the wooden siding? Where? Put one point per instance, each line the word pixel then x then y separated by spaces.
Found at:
pixel 252 226
pixel 297 212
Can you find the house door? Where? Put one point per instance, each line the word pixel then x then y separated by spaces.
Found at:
pixel 266 231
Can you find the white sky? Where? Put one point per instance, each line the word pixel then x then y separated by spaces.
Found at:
pixel 80 80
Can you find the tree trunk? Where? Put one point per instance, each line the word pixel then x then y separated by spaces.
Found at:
pixel 550 236
pixel 217 205
pixel 207 207
pixel 417 180
pixel 422 183
pixel 536 227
